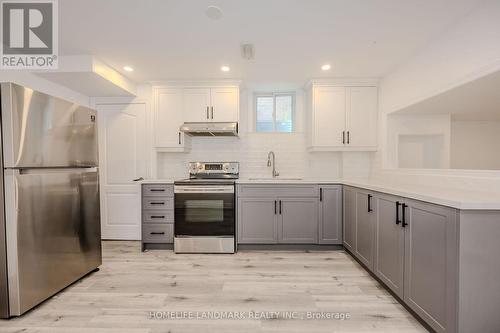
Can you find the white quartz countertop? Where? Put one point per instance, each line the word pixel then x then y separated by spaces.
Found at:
pixel 465 200
pixel 157 181
pixel 288 181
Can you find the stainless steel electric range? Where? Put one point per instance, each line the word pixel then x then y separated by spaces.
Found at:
pixel 205 213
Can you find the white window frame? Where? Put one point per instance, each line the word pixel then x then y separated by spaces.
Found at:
pixel 274 95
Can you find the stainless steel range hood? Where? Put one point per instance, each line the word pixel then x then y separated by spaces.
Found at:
pixel 210 129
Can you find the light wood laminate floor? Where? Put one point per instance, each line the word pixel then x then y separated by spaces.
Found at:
pixel 130 285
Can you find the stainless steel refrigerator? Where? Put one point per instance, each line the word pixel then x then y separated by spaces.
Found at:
pixel 50 232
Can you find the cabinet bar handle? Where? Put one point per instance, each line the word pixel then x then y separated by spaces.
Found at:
pixel 157 190
pixel 370 203
pixel 157 233
pixel 157 216
pixel 398 221
pixel 404 215
pixel 320 194
pixel 179 137
pixel 207 112
pixel 280 207
pixel 212 110
pixel 275 209
pixel 348 137
pixel 343 137
pixel 157 203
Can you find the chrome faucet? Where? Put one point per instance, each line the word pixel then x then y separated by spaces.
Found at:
pixel 275 173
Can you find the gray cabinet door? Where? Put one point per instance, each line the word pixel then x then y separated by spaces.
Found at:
pixel 389 242
pixel 330 214
pixel 431 270
pixel 349 220
pixel 298 220
pixel 257 221
pixel 364 228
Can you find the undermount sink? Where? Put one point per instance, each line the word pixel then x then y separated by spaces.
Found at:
pixel 275 179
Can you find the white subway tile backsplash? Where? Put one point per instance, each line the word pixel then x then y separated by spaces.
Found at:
pixel 251 149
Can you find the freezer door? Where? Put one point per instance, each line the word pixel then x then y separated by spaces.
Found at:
pixel 44 131
pixel 53 232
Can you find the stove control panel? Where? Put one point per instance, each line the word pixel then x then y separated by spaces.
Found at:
pixel 214 168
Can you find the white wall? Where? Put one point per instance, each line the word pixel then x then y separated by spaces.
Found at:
pixel 474 145
pixel 468 50
pixel 408 135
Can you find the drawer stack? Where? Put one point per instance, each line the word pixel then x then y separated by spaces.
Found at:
pixel 157 215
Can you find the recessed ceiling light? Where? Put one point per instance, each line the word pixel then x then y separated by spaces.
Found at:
pixel 326 67
pixel 214 13
pixel 128 68
pixel 225 68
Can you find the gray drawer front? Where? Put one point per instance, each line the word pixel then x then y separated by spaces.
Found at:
pixel 157 190
pixel 157 233
pixel 158 216
pixel 157 203
pixel 267 191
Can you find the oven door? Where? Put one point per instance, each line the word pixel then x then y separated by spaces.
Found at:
pixel 204 210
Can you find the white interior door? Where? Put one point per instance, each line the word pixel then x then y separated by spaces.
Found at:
pixel 362 116
pixel 225 103
pixel 196 104
pixel 122 158
pixel 329 116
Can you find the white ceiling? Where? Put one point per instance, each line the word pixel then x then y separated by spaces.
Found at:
pixel 477 100
pixel 174 39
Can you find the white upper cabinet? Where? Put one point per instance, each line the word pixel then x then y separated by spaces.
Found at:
pixel 211 104
pixel 329 116
pixel 176 104
pixel 168 117
pixel 196 104
pixel 225 104
pixel 343 118
pixel 361 117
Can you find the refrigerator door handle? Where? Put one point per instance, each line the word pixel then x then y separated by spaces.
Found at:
pixel 35 171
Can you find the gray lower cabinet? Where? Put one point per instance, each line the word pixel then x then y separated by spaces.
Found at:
pixel 349 220
pixel 431 270
pixel 157 233
pixel 359 220
pixel 364 221
pixel 157 214
pixel 409 245
pixel 298 220
pixel 440 261
pixel 277 220
pixel 257 221
pixel 390 243
pixel 416 249
pixel 330 214
pixel 281 214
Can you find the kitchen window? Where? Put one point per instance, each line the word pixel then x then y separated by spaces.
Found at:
pixel 274 112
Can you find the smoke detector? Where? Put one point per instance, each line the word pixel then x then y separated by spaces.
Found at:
pixel 213 13
pixel 247 51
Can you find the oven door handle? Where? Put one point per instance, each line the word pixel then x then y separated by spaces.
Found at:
pixel 203 189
